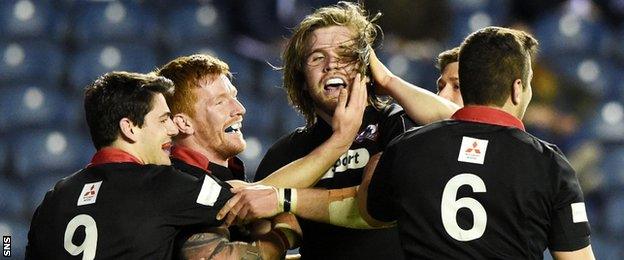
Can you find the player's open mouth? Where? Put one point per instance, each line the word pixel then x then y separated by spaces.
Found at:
pixel 234 128
pixel 167 147
pixel 334 84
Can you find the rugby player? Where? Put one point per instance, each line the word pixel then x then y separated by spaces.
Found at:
pixel 479 186
pixel 128 203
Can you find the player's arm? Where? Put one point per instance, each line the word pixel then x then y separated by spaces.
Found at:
pixel 569 234
pixel 345 123
pixel 214 243
pixel 340 207
pixel 582 254
pixel 421 105
pixel 271 240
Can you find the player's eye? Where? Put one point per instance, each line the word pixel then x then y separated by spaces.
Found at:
pixel 316 59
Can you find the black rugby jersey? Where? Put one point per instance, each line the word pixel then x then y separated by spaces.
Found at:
pixel 478 187
pixel 198 165
pixel 324 241
pixel 117 208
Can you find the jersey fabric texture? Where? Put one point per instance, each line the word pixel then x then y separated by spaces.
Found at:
pixel 198 165
pixel 324 241
pixel 478 187
pixel 117 208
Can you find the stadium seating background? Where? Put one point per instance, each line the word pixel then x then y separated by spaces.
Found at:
pixel 50 50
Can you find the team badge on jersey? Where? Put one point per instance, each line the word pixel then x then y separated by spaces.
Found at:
pixel 89 193
pixel 472 150
pixel 370 133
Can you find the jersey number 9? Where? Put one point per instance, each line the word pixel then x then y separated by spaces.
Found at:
pixel 89 245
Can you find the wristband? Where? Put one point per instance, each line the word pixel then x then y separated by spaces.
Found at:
pixel 287 199
pixel 280 199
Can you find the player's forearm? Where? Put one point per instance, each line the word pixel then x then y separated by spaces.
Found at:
pixel 421 105
pixel 215 244
pixel 306 171
pixel 218 246
pixel 337 207
pixel 583 254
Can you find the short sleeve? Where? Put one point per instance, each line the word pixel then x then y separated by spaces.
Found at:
pixel 381 200
pixel 184 200
pixel 570 228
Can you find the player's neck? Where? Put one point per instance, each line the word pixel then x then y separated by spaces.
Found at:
pixel 324 116
pixel 511 108
pixel 128 148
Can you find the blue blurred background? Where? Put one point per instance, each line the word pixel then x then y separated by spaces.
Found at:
pixel 50 50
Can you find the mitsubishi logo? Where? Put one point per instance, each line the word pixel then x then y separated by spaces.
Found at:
pixel 91 191
pixel 474 147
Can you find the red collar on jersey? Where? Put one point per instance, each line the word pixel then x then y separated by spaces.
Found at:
pixel 198 160
pixel 190 156
pixel 112 155
pixel 487 115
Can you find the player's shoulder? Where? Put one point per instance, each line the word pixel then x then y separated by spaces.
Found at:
pixel 545 151
pixel 540 146
pixel 64 183
pixel 392 109
pixel 167 173
pixel 297 137
pixel 422 132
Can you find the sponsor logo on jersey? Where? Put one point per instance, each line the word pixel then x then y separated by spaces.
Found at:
pixel 369 133
pixel 89 193
pixel 209 192
pixel 472 150
pixel 578 212
pixel 352 159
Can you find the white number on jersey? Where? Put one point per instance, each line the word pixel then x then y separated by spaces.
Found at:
pixel 450 206
pixel 89 245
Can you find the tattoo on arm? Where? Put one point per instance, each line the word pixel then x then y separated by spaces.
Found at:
pixel 218 246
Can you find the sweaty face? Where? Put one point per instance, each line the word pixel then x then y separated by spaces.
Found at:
pixel 218 118
pixel 448 84
pixel 330 66
pixel 154 137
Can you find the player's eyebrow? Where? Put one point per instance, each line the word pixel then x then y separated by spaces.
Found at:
pixel 165 115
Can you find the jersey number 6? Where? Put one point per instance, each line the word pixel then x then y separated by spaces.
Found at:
pixel 450 206
pixel 88 246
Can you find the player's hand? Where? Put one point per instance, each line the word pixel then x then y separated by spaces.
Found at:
pixel 349 112
pixel 238 183
pixel 271 247
pixel 252 202
pixel 381 74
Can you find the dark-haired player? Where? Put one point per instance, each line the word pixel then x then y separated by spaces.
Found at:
pixel 128 203
pixel 478 186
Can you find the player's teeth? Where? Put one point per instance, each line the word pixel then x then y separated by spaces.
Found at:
pixel 233 128
pixel 334 81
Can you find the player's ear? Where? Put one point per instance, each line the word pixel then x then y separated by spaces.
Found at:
pixel 184 123
pixel 128 129
pixel 516 91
